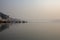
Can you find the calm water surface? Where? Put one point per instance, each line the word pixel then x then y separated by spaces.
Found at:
pixel 30 31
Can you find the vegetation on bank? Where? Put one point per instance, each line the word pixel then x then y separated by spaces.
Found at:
pixel 6 19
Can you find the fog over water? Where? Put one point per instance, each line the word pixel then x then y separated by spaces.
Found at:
pixel 41 15
pixel 30 31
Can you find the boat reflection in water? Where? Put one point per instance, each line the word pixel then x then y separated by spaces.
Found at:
pixel 3 27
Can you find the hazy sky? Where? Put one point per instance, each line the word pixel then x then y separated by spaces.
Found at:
pixel 31 9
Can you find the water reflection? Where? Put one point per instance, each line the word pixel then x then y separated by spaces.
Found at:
pixel 3 27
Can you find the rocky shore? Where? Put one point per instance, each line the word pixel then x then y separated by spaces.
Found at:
pixel 12 21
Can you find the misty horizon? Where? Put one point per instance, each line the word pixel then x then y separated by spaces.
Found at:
pixel 31 10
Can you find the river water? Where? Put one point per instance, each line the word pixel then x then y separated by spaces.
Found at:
pixel 30 31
